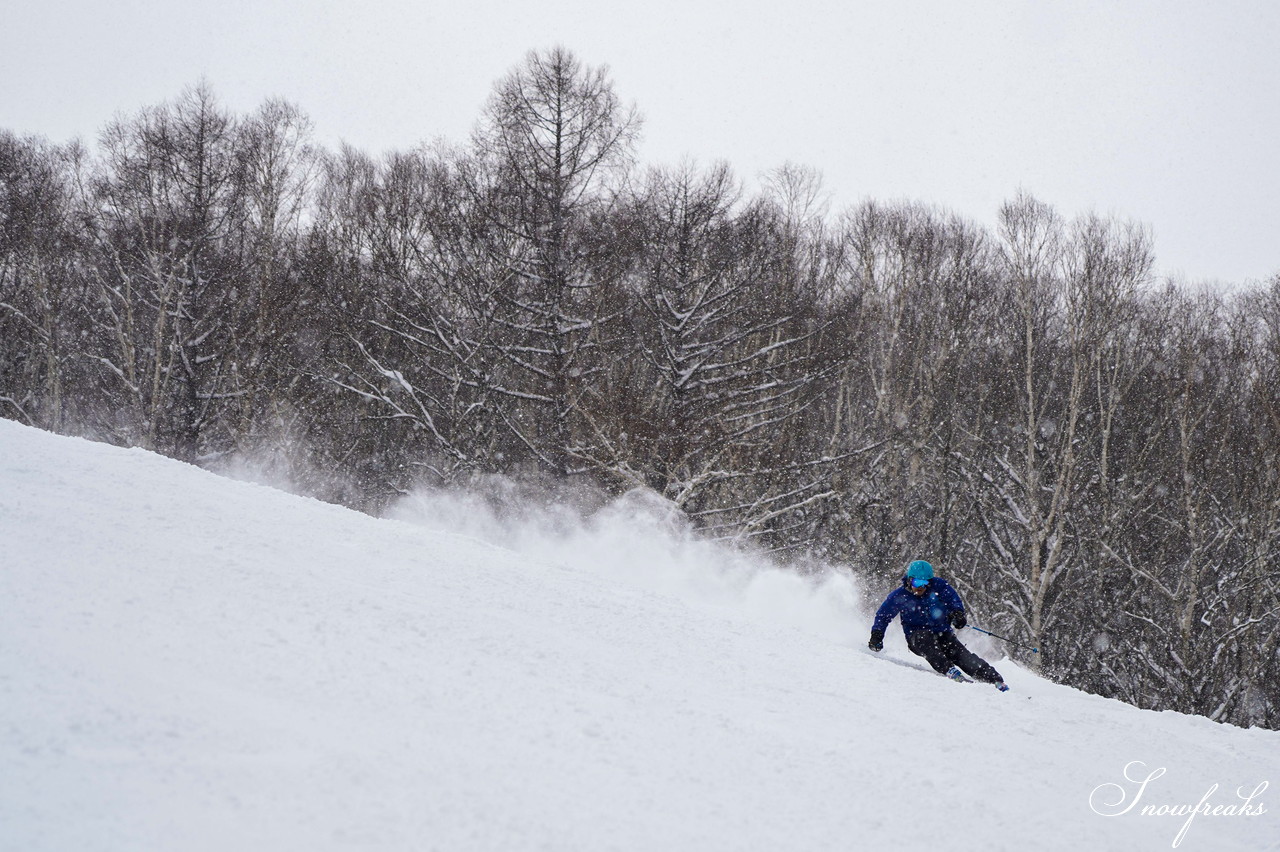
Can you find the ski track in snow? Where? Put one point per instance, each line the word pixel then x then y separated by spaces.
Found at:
pixel 193 663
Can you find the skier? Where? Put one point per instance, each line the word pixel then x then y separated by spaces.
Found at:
pixel 930 608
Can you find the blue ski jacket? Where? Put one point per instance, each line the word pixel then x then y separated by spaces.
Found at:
pixel 930 611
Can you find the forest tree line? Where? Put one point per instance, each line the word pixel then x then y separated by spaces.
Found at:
pixel 1090 453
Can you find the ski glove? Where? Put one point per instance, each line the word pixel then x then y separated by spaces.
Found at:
pixel 877 640
pixel 958 620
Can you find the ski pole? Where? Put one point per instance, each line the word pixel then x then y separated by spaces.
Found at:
pixel 1006 639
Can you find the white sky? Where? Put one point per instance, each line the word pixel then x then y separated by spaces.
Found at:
pixel 1166 112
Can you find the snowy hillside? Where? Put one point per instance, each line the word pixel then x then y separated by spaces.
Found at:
pixel 194 663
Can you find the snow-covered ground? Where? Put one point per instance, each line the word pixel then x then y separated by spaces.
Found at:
pixel 189 662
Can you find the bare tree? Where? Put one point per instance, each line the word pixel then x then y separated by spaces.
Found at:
pixel 166 204
pixel 726 335
pixel 41 282
pixel 278 164
pixel 1071 291
pixel 555 133
pixel 426 355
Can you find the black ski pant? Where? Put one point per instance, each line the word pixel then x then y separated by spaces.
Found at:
pixel 944 650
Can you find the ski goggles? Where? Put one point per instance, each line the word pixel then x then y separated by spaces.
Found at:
pixel 918 583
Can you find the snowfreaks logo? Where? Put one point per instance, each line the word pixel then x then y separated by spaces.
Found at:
pixel 1114 800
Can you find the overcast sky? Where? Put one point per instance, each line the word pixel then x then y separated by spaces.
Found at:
pixel 1167 113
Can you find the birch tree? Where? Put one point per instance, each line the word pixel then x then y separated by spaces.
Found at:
pixel 166 203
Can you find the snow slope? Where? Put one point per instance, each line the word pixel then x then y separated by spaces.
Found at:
pixel 192 663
